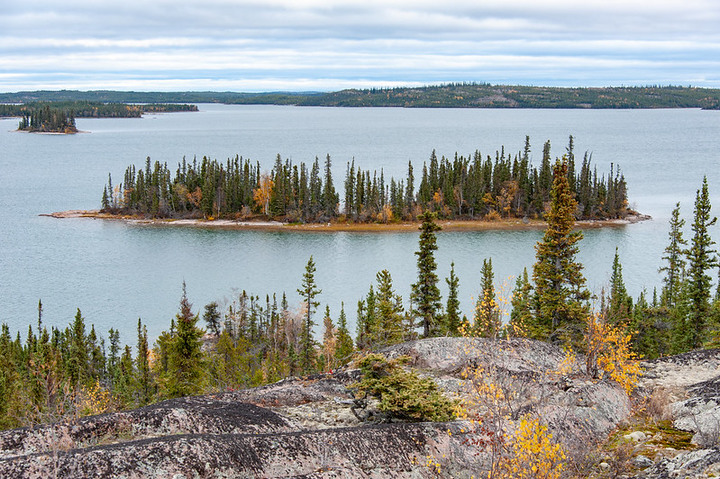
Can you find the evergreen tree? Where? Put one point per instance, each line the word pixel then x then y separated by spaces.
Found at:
pixel 344 346
pixel 560 294
pixel 329 341
pixel 521 315
pixel 425 292
pixel 674 256
pixel 211 316
pixel 185 358
pixel 452 307
pixel 701 256
pixel 329 196
pixel 487 313
pixel 388 326
pixel 78 359
pixel 113 359
pixel 620 304
pixel 143 380
pixel 124 381
pixel 308 291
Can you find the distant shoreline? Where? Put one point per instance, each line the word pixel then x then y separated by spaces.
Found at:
pixel 509 224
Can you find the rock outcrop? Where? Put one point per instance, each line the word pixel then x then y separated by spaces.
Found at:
pixel 305 427
pixel 685 389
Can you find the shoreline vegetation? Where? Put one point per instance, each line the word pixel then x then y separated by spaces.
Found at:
pixel 449 95
pixel 472 187
pixel 338 226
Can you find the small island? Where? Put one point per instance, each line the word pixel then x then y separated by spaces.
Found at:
pixel 503 191
pixel 59 117
pixel 48 120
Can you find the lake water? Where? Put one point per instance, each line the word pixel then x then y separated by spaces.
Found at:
pixel 116 273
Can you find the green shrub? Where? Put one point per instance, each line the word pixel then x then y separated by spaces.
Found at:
pixel 403 394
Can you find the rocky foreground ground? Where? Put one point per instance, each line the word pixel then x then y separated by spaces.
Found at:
pixel 306 427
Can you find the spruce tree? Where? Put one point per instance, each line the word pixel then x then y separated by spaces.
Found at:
pixel 344 346
pixel 521 315
pixel 701 257
pixel 487 314
pixel 308 291
pixel 560 294
pixel 143 380
pixel 185 359
pixel 425 292
pixel 78 360
pixel 329 197
pixel 388 317
pixel 620 304
pixel 329 341
pixel 451 325
pixel 675 258
pixel 211 316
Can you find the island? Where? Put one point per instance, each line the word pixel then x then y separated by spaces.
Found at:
pixel 503 191
pixel 59 117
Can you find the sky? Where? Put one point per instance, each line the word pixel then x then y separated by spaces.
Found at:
pixel 322 45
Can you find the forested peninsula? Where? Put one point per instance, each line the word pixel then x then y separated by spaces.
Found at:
pixel 451 95
pixel 473 187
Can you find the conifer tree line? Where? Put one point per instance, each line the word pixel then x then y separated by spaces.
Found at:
pixel 91 109
pixel 47 119
pixel 261 339
pixel 461 187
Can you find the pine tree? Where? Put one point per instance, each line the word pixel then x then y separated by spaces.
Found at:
pixel 487 314
pixel 560 294
pixel 185 359
pixel 308 291
pixel 701 256
pixel 674 256
pixel 425 292
pixel 452 307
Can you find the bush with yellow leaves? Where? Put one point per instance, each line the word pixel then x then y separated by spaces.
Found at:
pixel 531 454
pixel 609 353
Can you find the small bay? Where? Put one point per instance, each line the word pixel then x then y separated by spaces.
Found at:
pixel 116 273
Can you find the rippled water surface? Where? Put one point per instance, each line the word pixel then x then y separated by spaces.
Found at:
pixel 116 273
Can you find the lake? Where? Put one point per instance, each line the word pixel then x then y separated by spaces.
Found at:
pixel 116 273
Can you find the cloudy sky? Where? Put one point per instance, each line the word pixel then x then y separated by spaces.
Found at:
pixel 269 45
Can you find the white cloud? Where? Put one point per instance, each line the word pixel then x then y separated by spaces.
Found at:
pixel 334 44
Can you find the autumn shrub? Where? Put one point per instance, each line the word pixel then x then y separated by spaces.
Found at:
pixel 609 353
pixel 531 453
pixel 93 399
pixel 403 394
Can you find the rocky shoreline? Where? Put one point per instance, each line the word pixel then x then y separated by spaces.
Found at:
pixel 512 224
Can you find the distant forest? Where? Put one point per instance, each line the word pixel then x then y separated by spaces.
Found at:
pixel 473 187
pixel 452 95
pixel 90 109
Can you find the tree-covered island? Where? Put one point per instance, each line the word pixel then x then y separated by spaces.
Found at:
pixel 473 187
pixel 59 117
